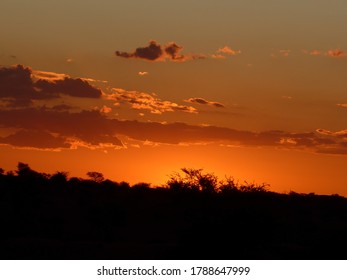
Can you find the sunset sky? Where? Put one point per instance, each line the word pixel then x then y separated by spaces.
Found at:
pixel 138 89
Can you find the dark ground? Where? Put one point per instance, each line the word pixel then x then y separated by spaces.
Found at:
pixel 74 219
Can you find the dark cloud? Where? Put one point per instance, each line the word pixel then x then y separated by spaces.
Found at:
pixel 86 126
pixel 173 51
pixel 152 52
pixel 35 139
pixel 19 88
pixel 68 86
pixel 57 129
pixel 62 107
pixel 203 101
pixel 156 52
pixel 16 86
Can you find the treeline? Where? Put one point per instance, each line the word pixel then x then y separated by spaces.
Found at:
pixel 193 216
pixel 191 180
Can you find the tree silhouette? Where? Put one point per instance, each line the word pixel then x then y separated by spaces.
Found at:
pixel 23 169
pixel 96 176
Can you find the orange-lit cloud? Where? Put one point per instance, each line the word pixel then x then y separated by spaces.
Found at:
pixel 44 75
pixel 341 133
pixel 218 56
pixel 20 86
pixel 156 52
pixel 342 105
pixel 285 52
pixel 227 50
pixel 143 73
pixel 336 53
pixel 105 109
pixel 315 52
pixel 147 101
pixel 203 101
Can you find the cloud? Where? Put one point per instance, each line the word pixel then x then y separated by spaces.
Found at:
pixel 60 129
pixel 105 109
pixel 146 101
pixel 285 52
pixel 155 52
pixel 315 52
pixel 342 105
pixel 227 50
pixel 20 86
pixel 61 107
pixel 68 86
pixel 144 73
pixel 17 87
pixel 34 139
pixel 218 56
pixel 287 97
pixel 43 128
pixel 336 53
pixel 172 52
pixel 203 101
pixel 44 75
pixel 341 133
pixel 337 142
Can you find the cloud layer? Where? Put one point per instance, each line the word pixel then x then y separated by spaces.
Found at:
pixel 46 128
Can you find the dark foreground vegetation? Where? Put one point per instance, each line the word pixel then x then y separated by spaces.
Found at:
pixel 194 216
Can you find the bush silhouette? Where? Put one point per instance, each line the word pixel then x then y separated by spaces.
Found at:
pixel 193 179
pixel 96 176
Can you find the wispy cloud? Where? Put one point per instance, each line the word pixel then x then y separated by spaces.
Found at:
pixel 202 101
pixel 334 53
pixel 315 52
pixel 227 50
pixel 146 101
pixel 342 105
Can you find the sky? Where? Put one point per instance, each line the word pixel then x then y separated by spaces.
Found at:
pixel 137 90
